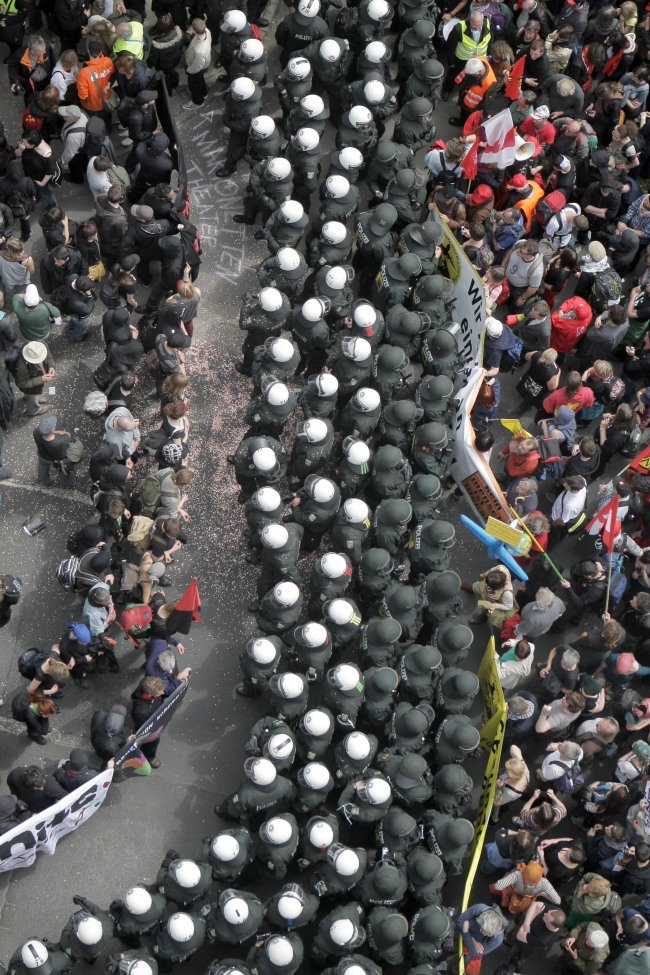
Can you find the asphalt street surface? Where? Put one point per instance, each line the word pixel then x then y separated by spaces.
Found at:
pixel 201 751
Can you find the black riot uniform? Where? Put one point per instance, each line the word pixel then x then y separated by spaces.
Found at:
pixel 453 790
pixel 426 876
pixel 252 798
pixel 404 329
pixel 262 145
pixel 318 834
pixel 433 396
pixel 313 785
pixel 261 957
pixel 407 729
pixel 350 530
pixel 448 838
pixel 384 883
pixel 319 501
pixel 267 414
pixel 424 495
pixel 443 597
pixel 296 32
pixel 415 127
pixel 387 931
pixel 131 925
pixel 420 669
pixel 311 333
pixel 259 325
pixel 330 580
pixel 250 476
pixel 422 239
pixel 360 415
pixel 380 688
pixel 416 44
pixel 455 739
pixel 384 165
pixel 268 362
pixel 398 831
pixel 323 251
pixel 456 691
pixel 429 299
pixel 404 604
pixel 272 738
pixel 309 454
pixel 278 232
pixel 379 641
pixel 425 82
pixel 60 961
pixel 293 84
pixel 121 963
pixel 408 197
pixel 280 561
pixel 275 909
pixel 237 116
pixel 172 882
pixel 390 479
pixel 314 733
pixel 289 281
pixel 168 951
pixel 265 192
pixel 227 932
pixel 374 572
pixel 259 664
pixel 319 396
pixel 390 525
pixel 432 448
pixel 312 649
pixel 375 240
pixel 398 420
pixel 409 776
pixel 305 159
pixel 430 930
pixel 327 941
pixel 454 640
pixel 365 139
pixel 275 850
pixel 354 755
pixel 300 116
pixel 238 851
pixel 70 940
pixel 429 546
pixel 389 371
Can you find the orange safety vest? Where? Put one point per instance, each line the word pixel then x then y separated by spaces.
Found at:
pixel 529 205
pixel 475 95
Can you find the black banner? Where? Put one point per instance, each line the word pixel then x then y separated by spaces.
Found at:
pixel 154 727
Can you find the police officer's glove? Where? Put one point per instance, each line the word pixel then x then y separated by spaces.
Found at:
pixel 79 900
pixel 344 720
pixel 311 675
pixel 115 907
pixel 320 888
pixel 251 747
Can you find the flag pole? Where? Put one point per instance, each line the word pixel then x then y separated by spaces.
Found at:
pixel 538 546
pixel 609 581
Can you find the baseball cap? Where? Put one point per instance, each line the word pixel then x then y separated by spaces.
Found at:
pixel 47 425
pixel 142 213
pixel 481 194
pixel 518 181
pixel 146 96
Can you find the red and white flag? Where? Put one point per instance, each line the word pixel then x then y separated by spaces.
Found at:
pixel 605 523
pixel 500 138
pixel 469 164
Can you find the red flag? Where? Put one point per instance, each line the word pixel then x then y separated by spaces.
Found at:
pixel 641 462
pixel 500 140
pixel 613 63
pixel 516 74
pixel 469 164
pixel 188 609
pixel 605 521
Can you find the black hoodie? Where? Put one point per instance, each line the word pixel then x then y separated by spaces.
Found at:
pixel 17 188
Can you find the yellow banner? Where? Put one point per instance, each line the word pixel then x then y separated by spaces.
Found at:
pixel 492 732
pixel 511 536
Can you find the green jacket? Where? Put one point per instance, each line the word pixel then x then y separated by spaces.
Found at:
pixel 35 323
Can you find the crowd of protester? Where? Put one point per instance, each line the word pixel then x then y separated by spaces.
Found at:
pixel 354 795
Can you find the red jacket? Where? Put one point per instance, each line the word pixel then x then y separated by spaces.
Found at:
pixel 569 324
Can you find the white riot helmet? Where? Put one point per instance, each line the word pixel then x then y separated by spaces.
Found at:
pixel 343 932
pixel 242 89
pixel 344 860
pixel 233 21
pixel 225 847
pixel 289 686
pixel 278 168
pixel 299 68
pixel 139 967
pixel 336 278
pixel 336 187
pixel 357 349
pixel 279 949
pixel 276 831
pixel 357 746
pixel 333 565
pixel 375 791
pixel 274 536
pixel 364 315
pixel 269 299
pixel 260 771
pixel 137 900
pixel 291 211
pixel 277 394
pixel 376 52
pixel 262 127
pixel 357 452
pixel 233 907
pixel 360 117
pixel 326 384
pixel 279 747
pixel 313 430
pixel 186 873
pixel 315 775
pixel 280 350
pixel 267 499
pixel 344 676
pixel 250 50
pixel 309 8
pixel 312 310
pixel 261 651
pixel 180 926
pixel 316 722
pixel 351 159
pixel 286 594
pixel 320 834
pixel 329 50
pixel 34 955
pixel 312 105
pixel 264 459
pixel 291 902
pixel 356 511
pixel 321 489
pixel 288 259
pixel 379 11
pixel 374 92
pixel 88 929
pixel 306 139
pixel 333 231
pixel 367 399
pixel 340 611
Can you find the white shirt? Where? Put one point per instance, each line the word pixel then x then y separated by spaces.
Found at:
pixel 98 183
pixel 568 505
pixel 512 672
pixel 558 231
pixel 551 771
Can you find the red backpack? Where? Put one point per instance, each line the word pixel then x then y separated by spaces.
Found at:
pixel 550 205
pixel 135 621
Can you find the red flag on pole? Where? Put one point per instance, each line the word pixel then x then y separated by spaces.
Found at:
pixel 641 462
pixel 516 74
pixel 605 521
pixel 188 610
pixel 469 164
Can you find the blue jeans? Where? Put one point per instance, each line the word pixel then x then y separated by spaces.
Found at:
pixel 79 327
pixel 66 472
pixel 45 193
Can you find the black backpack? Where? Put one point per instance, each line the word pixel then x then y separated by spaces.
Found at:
pixel 28 661
pixel 95 136
pixel 346 22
